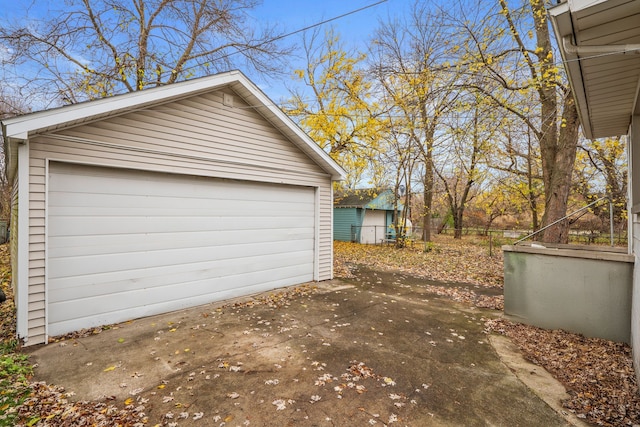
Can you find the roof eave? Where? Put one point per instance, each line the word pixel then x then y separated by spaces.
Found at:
pixel 563 27
pixel 23 127
pixel 271 112
pixel 588 31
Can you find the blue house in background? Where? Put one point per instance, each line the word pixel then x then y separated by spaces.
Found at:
pixel 363 216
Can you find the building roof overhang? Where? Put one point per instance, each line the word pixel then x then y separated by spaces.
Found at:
pixel 23 127
pixel 599 41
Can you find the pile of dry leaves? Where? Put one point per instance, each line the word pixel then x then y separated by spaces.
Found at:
pixel 598 374
pixel 48 405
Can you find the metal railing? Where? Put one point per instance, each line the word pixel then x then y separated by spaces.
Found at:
pixel 528 236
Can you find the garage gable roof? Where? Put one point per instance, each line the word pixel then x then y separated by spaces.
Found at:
pixel 367 198
pixel 600 45
pixel 23 127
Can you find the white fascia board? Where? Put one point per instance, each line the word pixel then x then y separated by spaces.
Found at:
pixel 559 9
pixel 23 126
pixel 20 127
pixel 578 5
pixel 562 24
pixel 337 172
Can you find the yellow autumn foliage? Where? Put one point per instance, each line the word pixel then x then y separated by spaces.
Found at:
pixel 339 115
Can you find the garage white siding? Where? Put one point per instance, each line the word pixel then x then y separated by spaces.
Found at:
pixel 178 132
pixel 124 244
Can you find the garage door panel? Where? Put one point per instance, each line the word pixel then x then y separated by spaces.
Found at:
pixel 125 244
pixel 164 211
pixel 121 282
pixel 174 296
pixel 96 204
pixel 69 246
pixel 164 186
pixel 96 264
pixel 97 226
pixel 114 282
pixel 92 318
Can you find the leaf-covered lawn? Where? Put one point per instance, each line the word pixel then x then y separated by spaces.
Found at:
pixel 453 263
pixel 445 259
pixel 598 374
pixel 14 367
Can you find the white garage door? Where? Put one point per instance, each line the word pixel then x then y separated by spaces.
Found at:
pixel 124 244
pixel 373 227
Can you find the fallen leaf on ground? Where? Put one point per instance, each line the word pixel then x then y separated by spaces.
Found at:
pixel 598 374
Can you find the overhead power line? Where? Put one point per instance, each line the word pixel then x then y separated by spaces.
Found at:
pixel 300 30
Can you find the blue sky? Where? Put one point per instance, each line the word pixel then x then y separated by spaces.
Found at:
pixel 355 29
pixel 294 14
pixel 288 15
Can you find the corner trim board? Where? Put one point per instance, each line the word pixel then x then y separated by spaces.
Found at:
pixel 22 288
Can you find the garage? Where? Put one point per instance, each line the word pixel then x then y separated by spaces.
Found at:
pixel 125 244
pixel 162 199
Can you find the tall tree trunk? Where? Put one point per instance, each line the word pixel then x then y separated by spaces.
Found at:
pixel 557 138
pixel 458 215
pixel 533 205
pixel 428 198
pixel 429 171
pixel 531 195
pixel 557 173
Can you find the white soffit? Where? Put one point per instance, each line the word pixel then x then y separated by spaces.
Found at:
pixel 592 35
pixel 578 5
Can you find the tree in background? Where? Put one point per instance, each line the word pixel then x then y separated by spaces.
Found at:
pixel 601 171
pixel 497 198
pixel 96 48
pixel 10 105
pixel 399 160
pixel 340 113
pixel 461 167
pixel 516 159
pixel 510 48
pixel 411 60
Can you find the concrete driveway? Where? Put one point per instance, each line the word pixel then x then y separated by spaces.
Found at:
pixel 377 350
